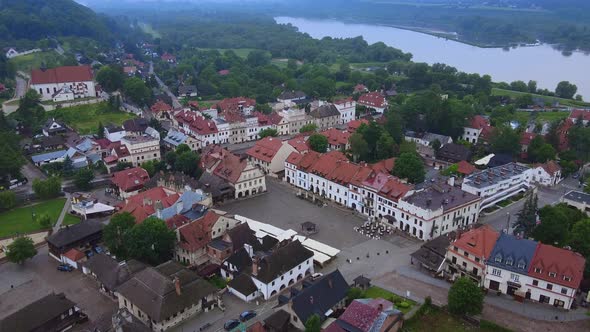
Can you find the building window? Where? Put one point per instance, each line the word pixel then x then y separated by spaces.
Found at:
pixel 498 258
pixel 497 272
pixel 521 265
pixel 514 277
pixel 537 270
pixel 552 274
pixel 566 278
pixel 509 261
pixel 564 291
pixel 535 282
pixel 549 286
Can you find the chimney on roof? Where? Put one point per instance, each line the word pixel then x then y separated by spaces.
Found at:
pixel 177 285
pixel 255 266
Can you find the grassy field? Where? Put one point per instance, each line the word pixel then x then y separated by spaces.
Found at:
pixel 85 118
pixel 34 60
pixel 436 320
pixel 20 220
pixel 562 101
pixel 376 292
pixel 70 220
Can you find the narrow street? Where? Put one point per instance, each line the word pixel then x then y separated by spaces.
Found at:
pixel 175 102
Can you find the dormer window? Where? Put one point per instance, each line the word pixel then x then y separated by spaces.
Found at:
pixel 509 261
pixel 552 274
pixel 498 258
pixel 537 270
pixel 521 265
pixel 566 278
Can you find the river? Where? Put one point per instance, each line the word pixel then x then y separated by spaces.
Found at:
pixel 542 63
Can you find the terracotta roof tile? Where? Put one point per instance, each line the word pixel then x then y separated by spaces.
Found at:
pixel 63 74
pixel 478 241
pixel 372 99
pixel 265 149
pixel 130 179
pixel 567 265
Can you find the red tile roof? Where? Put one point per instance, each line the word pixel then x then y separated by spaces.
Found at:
pixel 265 149
pixel 308 160
pixel 372 99
pixel 362 175
pixel 526 138
pixel 267 119
pixel 479 122
pixel 143 204
pixel 327 163
pixel 384 166
pixel 197 234
pixel 478 241
pixel 564 263
pixel 360 88
pixel 336 137
pixel 168 57
pixel 230 168
pixel 74 254
pixel 160 106
pixel 551 167
pixel 342 172
pixel 394 189
pixel 576 114
pixel 562 134
pixel 196 122
pixel 294 158
pixel 343 101
pixel 299 143
pixel 465 168
pixel 65 74
pixel 130 179
pixel 360 315
pixel 103 142
pixel 355 124
pixel 235 104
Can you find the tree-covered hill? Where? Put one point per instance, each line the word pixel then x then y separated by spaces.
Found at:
pixel 31 20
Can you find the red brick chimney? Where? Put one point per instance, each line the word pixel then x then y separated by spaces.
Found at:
pixel 177 285
pixel 255 266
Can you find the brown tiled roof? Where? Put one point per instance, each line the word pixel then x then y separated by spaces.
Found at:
pixel 564 263
pixel 160 106
pixel 372 99
pixel 196 122
pixel 551 167
pixel 74 254
pixel 478 241
pixel 143 204
pixel 65 74
pixel 265 149
pixel 130 179
pixel 355 124
pixel 197 234
pixel 336 137
pixel 465 168
pixel 299 144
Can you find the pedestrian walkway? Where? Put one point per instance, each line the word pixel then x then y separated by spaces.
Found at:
pixel 62 215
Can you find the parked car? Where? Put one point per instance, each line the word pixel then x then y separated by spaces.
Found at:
pixel 231 324
pixel 316 276
pixel 247 315
pixel 89 253
pixel 98 250
pixel 65 268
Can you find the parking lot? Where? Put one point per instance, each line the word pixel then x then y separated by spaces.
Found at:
pixel 23 284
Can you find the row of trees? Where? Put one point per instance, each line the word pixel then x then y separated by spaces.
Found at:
pixel 112 78
pixel 564 89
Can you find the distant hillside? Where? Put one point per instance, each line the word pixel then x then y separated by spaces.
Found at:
pixel 38 19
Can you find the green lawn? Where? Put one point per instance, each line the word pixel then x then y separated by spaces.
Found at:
pixel 70 220
pixel 85 118
pixel 376 292
pixel 436 320
pixel 20 220
pixel 514 94
pixel 34 60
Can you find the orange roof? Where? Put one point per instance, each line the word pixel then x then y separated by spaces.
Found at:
pixel 308 160
pixel 478 241
pixel 342 172
pixel 479 122
pixel 372 99
pixel 74 254
pixel 326 163
pixel 394 189
pixel 363 173
pixel 551 167
pixel 384 166
pixel 230 168
pixel 465 168
pixel 130 179
pixel 143 205
pixel 265 149
pixel 196 122
pixel 564 263
pixel 160 106
pixel 355 124
pixel 336 137
pixel 299 144
pixel 197 234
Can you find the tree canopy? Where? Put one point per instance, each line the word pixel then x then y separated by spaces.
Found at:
pixel 115 234
pixel 409 166
pixel 151 241
pixel 318 143
pixel 465 297
pixel 21 249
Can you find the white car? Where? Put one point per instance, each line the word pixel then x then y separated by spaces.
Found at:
pixel 316 276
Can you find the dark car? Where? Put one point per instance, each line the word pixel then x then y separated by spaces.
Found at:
pixel 89 253
pixel 231 324
pixel 65 268
pixel 247 315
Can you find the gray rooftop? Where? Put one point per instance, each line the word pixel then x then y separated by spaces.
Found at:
pixel 440 195
pixel 577 196
pixel 494 175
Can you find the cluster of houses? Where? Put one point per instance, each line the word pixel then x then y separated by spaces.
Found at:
pixel 506 264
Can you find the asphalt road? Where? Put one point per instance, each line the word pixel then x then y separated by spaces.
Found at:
pixel 547 196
